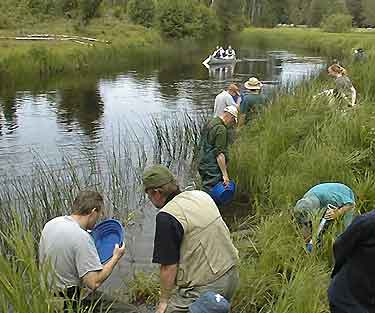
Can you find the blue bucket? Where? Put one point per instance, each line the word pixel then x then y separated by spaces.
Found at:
pixel 106 235
pixel 223 194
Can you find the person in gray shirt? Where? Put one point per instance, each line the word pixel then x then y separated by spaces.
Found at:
pixel 69 249
pixel 344 91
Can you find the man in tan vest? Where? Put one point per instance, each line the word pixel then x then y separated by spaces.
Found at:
pixel 192 243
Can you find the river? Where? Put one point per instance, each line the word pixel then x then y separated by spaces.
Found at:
pixel 83 117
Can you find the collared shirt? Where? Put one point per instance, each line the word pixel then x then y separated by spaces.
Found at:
pixel 223 100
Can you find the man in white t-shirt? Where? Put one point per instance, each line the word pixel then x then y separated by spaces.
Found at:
pixel 227 98
pixel 66 245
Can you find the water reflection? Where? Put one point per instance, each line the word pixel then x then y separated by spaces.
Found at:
pixel 81 105
pixel 8 105
pixel 221 72
pixel 84 113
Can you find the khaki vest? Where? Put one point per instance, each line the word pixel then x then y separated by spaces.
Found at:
pixel 206 251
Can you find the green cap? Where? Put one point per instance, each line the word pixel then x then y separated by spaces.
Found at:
pixel 157 176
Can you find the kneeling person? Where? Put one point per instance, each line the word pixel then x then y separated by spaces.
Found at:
pixel 67 246
pixel 192 243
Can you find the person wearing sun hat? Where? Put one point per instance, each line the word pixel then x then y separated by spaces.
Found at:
pixel 227 98
pixel 213 155
pixel 192 243
pixel 252 101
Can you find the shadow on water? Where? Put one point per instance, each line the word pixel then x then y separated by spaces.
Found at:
pixel 81 105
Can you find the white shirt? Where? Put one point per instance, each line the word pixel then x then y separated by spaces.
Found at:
pixel 223 100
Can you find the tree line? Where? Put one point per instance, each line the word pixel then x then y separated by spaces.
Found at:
pixel 202 18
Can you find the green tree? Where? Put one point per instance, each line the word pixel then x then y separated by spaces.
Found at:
pixel 369 11
pixel 337 23
pixel 88 9
pixel 355 8
pixel 141 12
pixel 322 8
pixel 229 14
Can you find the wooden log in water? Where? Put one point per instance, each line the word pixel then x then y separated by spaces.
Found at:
pixel 77 39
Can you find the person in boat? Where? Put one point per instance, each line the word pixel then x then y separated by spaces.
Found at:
pixel 230 52
pixel 344 90
pixel 359 55
pixel 68 248
pixel 192 244
pixel 222 53
pixel 335 199
pixel 213 155
pixel 253 101
pixel 352 288
pixel 231 96
pixel 216 52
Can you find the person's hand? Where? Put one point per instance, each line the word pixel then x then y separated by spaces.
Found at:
pixel 118 252
pixel 332 214
pixel 162 307
pixel 226 179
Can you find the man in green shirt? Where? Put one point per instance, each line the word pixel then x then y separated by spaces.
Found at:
pixel 213 154
pixel 252 101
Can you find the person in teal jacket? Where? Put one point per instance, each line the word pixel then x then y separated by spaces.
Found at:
pixel 335 199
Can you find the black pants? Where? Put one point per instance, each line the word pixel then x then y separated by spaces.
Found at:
pixel 96 302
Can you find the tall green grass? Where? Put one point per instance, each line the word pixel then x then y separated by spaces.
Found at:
pixel 300 141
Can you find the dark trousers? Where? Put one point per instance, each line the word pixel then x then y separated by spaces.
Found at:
pixel 96 302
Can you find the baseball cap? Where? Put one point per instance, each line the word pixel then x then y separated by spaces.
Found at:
pixel 210 302
pixel 157 176
pixel 231 109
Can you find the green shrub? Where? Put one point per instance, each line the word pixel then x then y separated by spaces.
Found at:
pixel 88 9
pixel 141 12
pixel 178 19
pixel 337 23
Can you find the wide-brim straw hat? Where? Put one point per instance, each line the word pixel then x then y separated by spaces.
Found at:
pixel 253 84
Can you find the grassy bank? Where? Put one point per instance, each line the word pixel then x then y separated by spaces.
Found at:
pixel 131 47
pixel 298 142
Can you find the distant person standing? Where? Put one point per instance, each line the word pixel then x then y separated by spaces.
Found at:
pixel 226 98
pixel 359 55
pixel 352 289
pixel 344 91
pixel 252 101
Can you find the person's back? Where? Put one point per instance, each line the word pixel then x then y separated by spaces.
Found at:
pixel 251 103
pixel 214 141
pixel 222 100
pixel 70 249
pixel 343 88
pixel 207 251
pixel 336 194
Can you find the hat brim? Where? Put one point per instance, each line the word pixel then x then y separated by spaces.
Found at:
pixel 253 87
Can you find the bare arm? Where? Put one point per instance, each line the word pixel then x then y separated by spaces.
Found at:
pixel 354 96
pixel 168 275
pixel 94 280
pixel 334 214
pixel 223 167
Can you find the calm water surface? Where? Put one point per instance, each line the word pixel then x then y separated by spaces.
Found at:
pixel 82 116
